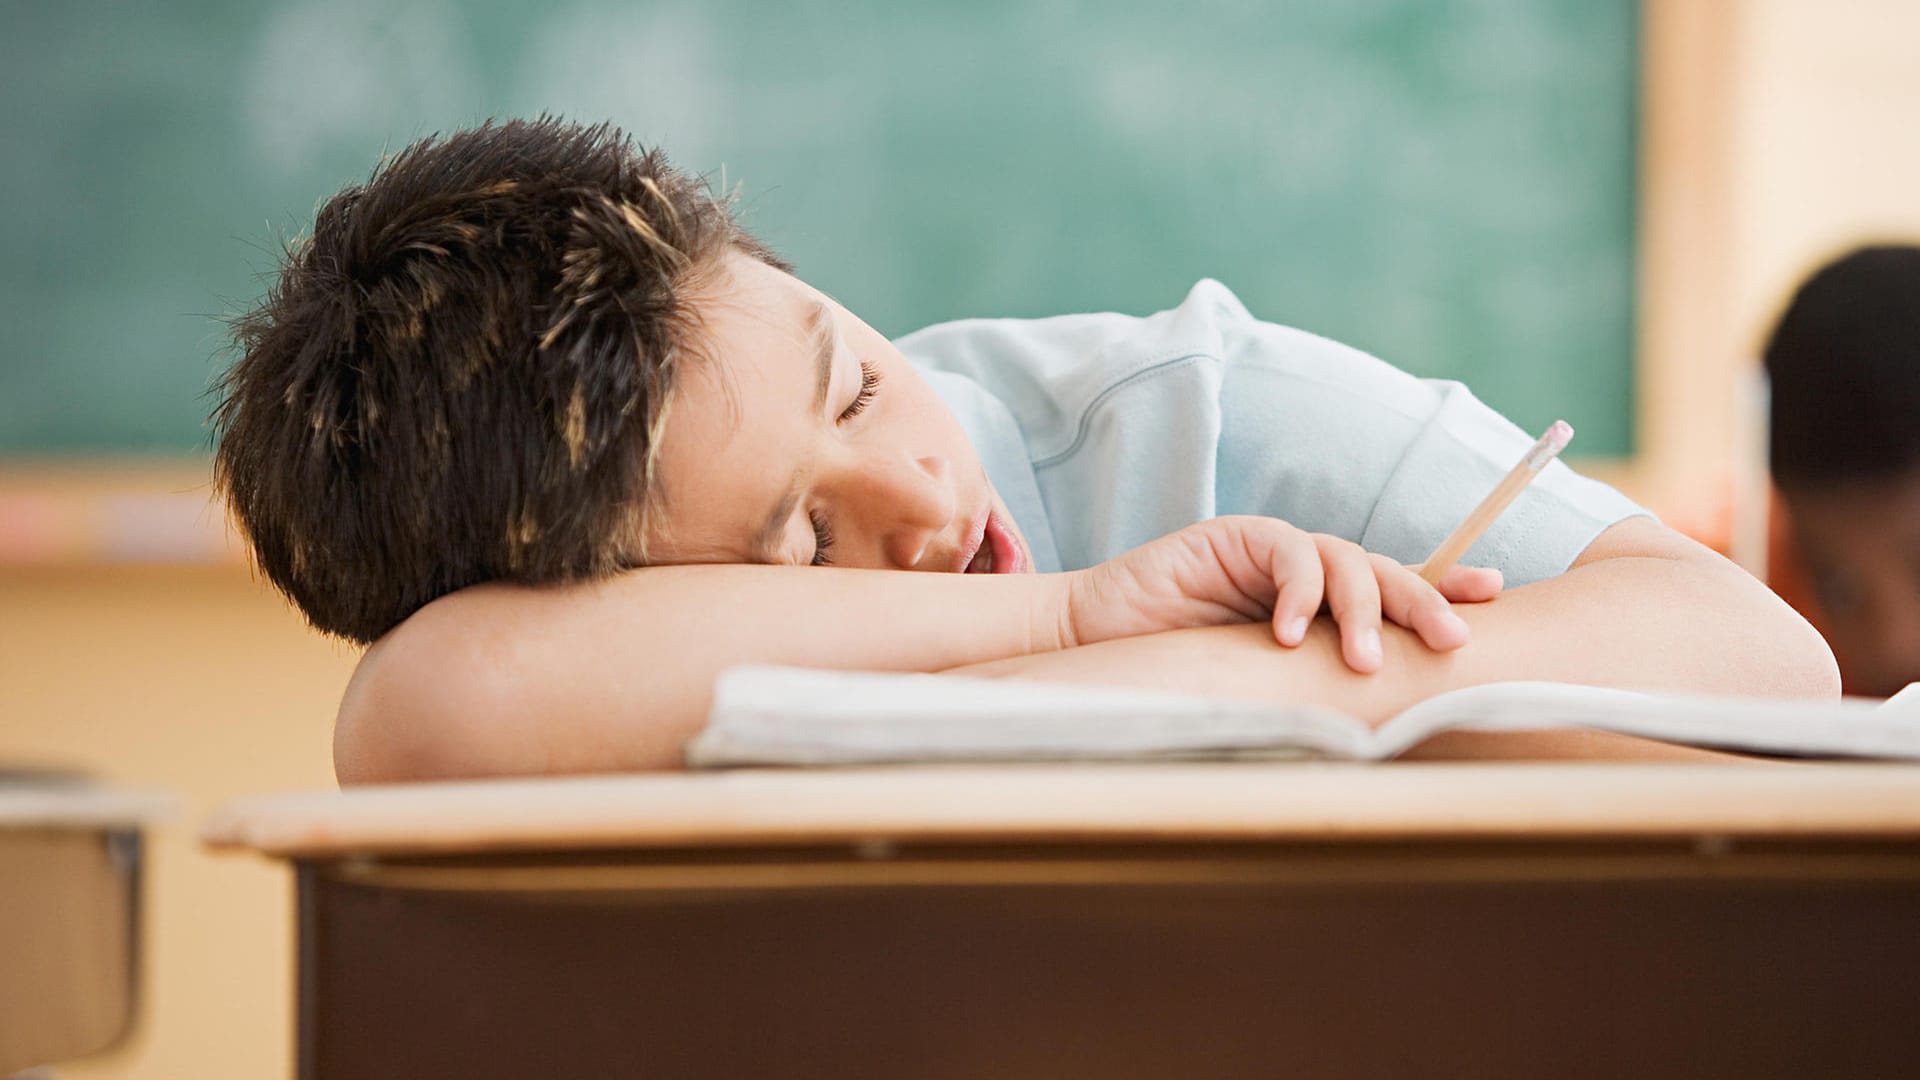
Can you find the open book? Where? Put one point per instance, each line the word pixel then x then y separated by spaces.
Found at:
pixel 795 716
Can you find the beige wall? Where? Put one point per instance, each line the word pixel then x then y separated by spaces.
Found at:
pixel 1780 136
pixel 1827 104
pixel 1778 133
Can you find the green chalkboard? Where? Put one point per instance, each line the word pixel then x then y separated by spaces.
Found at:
pixel 1450 186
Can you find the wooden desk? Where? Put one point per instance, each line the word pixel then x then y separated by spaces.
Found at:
pixel 1112 922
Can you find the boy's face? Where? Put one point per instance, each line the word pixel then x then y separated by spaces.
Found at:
pixel 1861 545
pixel 801 436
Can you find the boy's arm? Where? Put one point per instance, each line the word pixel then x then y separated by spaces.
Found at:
pixel 1642 607
pixel 616 674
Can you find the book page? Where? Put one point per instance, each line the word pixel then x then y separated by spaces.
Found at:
pixel 794 716
pixel 1846 727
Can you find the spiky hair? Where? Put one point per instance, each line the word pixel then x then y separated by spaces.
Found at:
pixel 461 375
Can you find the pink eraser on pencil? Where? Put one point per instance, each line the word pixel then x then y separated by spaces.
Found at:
pixel 1559 435
pixel 1549 446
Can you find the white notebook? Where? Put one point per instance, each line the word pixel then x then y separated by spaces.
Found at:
pixel 798 716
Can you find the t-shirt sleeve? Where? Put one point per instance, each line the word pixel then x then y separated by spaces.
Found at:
pixel 1337 441
pixel 1458 456
pixel 1104 431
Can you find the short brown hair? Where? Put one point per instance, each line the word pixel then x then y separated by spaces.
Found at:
pixel 461 374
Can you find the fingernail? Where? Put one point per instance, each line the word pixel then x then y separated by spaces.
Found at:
pixel 1294 632
pixel 1370 646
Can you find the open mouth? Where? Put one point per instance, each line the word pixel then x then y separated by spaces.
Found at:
pixel 997 553
pixel 982 561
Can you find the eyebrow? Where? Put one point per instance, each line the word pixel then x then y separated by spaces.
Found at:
pixel 821 337
pixel 822 332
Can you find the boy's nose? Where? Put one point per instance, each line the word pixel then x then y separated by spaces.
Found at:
pixel 911 500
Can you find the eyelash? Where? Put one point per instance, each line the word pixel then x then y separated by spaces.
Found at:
pixel 822 539
pixel 869 384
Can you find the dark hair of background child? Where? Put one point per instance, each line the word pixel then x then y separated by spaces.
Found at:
pixel 1844 363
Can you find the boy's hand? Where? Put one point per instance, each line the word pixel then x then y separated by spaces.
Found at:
pixel 1239 569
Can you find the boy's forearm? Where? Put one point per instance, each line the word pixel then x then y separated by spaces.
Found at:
pixel 736 614
pixel 618 673
pixel 1675 621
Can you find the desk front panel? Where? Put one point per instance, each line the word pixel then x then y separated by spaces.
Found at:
pixel 1250 960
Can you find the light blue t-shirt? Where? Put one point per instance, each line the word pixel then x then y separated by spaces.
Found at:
pixel 1102 432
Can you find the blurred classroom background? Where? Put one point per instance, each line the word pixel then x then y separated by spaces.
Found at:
pixel 1583 209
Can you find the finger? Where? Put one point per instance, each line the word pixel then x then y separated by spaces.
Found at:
pixel 1407 599
pixel 1471 584
pixel 1294 562
pixel 1353 597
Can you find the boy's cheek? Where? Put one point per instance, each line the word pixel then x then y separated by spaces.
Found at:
pixel 926 413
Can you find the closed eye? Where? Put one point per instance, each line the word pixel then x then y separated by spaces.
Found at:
pixel 823 532
pixel 869 385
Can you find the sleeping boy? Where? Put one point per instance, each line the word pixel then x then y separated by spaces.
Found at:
pixel 533 416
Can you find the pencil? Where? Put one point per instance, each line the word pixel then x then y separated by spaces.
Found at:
pixel 1456 545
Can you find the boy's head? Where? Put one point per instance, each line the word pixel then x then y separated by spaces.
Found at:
pixel 467 373
pixel 1844 363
